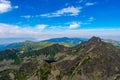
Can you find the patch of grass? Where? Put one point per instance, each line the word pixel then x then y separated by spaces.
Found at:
pixel 44 72
pixel 21 76
pixel 76 51
pixel 16 61
pixel 86 61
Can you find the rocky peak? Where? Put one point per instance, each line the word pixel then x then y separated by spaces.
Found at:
pixel 94 39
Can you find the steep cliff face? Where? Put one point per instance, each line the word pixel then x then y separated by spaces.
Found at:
pixel 95 60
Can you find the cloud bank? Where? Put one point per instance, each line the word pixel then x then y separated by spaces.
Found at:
pixel 37 32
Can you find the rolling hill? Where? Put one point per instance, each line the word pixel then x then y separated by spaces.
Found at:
pixel 32 45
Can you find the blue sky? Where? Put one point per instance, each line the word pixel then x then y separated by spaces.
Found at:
pixel 43 19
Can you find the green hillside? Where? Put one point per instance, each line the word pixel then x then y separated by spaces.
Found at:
pixel 27 46
pixel 113 42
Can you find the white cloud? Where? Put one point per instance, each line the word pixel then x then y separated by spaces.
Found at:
pixel 7 30
pixel 27 16
pixel 67 26
pixel 6 6
pixel 91 19
pixel 110 33
pixel 41 26
pixel 69 11
pixel 90 3
pixel 13 31
pixel 74 25
pixel 16 7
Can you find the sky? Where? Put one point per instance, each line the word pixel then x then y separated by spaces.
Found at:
pixel 44 19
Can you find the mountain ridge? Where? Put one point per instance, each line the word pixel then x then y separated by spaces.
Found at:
pixel 68 40
pixel 90 60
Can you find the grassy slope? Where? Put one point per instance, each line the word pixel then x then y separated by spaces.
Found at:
pixel 30 45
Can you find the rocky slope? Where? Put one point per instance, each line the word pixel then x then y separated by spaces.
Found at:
pixel 91 60
pixel 96 61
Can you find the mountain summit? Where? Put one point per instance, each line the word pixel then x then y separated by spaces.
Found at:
pixel 96 60
pixel 94 39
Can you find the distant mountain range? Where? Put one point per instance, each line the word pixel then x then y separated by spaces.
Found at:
pixel 26 45
pixel 6 41
pixel 90 60
pixel 113 42
pixel 33 45
pixel 73 41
